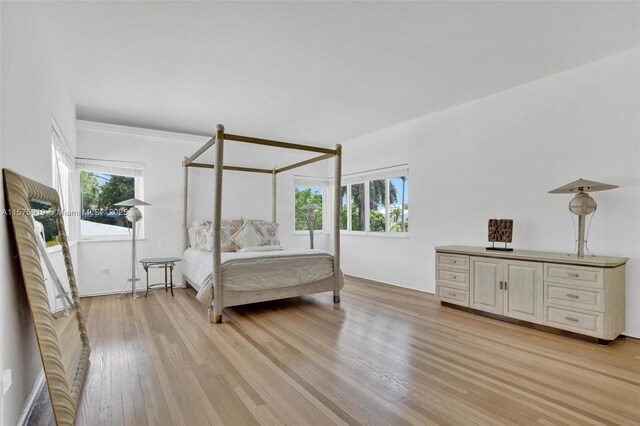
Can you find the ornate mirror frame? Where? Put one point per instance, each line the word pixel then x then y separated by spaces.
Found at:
pixel 64 396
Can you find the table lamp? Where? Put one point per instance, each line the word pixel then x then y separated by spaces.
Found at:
pixel 582 204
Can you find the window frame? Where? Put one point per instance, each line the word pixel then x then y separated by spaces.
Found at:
pixel 118 168
pixel 63 180
pixel 366 178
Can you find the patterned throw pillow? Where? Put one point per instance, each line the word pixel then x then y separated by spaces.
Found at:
pixel 269 231
pixel 228 228
pixel 198 234
pixel 248 236
pixel 201 234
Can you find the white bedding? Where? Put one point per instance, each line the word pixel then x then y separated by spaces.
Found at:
pixel 251 271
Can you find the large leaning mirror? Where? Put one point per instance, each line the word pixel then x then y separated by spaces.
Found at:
pixel 47 272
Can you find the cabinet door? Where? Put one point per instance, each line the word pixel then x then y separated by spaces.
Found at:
pixel 486 275
pixel 524 294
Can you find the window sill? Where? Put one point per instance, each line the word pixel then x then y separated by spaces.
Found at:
pixel 404 235
pixel 307 233
pixel 102 239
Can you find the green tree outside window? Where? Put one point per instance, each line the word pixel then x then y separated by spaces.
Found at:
pixel 304 196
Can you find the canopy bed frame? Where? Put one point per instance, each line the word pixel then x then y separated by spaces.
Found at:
pixel 224 298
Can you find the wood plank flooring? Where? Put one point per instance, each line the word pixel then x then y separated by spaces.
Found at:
pixel 385 355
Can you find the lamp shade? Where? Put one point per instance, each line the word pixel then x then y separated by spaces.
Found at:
pixel 582 185
pixel 131 202
pixel 313 207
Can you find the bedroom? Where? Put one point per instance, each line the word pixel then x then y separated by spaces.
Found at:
pixel 483 107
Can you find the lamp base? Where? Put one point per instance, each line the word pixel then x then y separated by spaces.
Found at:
pixel 584 256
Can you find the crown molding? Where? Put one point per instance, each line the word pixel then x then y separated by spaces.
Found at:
pixel 171 137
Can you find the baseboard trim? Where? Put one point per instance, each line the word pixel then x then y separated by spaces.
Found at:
pixel 31 400
pixel 386 283
pixel 117 293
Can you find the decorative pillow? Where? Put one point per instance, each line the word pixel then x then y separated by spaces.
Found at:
pixel 228 228
pixel 260 248
pixel 201 234
pixel 248 236
pixel 269 231
pixel 198 234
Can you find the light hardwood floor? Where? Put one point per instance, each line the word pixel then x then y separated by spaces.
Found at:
pixel 385 355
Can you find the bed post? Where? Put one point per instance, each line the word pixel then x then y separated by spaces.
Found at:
pixel 273 195
pixel 215 310
pixel 185 197
pixel 336 224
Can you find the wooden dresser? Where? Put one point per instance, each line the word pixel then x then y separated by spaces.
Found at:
pixel 581 295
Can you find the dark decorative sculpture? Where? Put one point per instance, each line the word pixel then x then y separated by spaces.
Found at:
pixel 501 231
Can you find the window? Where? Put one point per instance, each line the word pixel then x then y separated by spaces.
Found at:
pixel 377 202
pixel 103 184
pixel 62 169
pixel 344 204
pixel 357 207
pixel 378 205
pixel 310 192
pixel 399 204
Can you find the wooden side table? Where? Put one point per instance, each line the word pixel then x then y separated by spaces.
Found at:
pixel 166 263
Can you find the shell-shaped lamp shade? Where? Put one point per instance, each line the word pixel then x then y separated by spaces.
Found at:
pixel 131 202
pixel 582 185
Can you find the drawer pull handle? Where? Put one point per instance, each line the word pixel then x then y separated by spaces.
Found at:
pixel 454 261
pixel 500 285
pixel 573 275
pixel 453 277
pixel 572 319
pixel 573 296
pixel 452 294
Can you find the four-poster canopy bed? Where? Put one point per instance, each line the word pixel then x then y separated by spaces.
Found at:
pixel 229 274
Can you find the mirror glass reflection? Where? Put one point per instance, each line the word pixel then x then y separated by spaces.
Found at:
pixel 57 285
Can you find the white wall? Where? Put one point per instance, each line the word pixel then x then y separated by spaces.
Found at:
pixel 32 93
pixel 3 229
pixel 244 195
pixel 497 157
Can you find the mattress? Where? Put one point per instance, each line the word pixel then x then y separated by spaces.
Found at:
pixel 254 271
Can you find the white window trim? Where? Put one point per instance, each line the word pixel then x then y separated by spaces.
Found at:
pixel 376 234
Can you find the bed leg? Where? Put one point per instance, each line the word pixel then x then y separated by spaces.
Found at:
pixel 213 317
pixel 336 298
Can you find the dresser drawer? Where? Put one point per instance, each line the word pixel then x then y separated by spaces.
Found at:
pixel 452 276
pixel 453 295
pixel 585 298
pixel 576 275
pixel 589 323
pixel 452 261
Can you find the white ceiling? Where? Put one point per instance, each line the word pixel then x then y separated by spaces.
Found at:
pixel 317 73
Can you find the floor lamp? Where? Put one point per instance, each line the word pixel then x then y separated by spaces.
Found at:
pixel 582 204
pixel 311 220
pixel 134 216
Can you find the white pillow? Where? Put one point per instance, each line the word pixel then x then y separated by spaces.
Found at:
pixel 248 236
pixel 260 248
